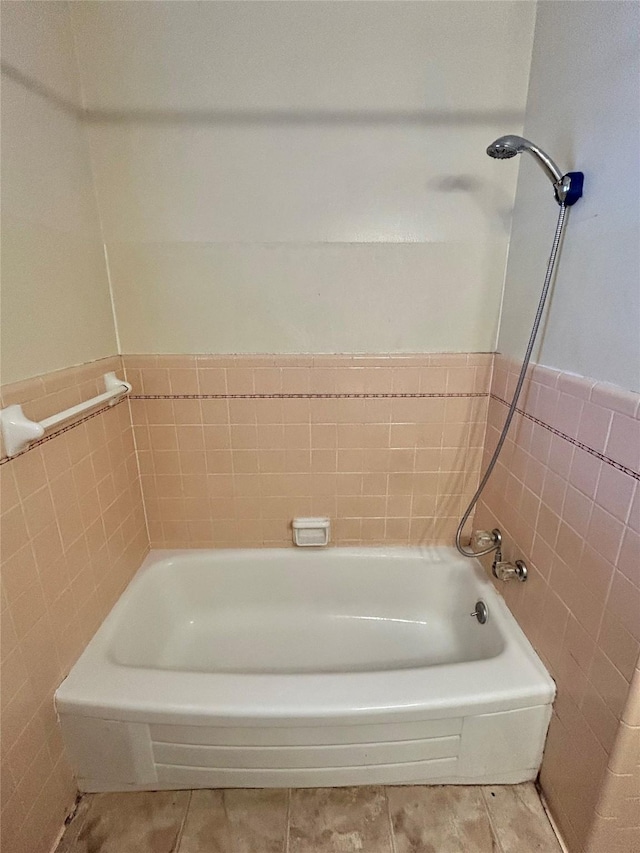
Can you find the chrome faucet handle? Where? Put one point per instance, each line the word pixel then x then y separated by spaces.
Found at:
pixel 506 571
pixel 481 540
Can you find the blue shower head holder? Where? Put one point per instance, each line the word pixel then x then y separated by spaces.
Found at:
pixel 576 184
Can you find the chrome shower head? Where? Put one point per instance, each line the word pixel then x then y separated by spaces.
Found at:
pixel 503 148
pixel 508 146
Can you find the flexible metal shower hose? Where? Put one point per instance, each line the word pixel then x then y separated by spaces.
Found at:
pixel 516 394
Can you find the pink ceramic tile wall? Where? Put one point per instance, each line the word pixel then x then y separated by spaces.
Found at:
pixel 616 828
pixel 565 494
pixel 232 448
pixel 73 533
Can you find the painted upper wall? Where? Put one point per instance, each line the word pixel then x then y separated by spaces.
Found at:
pixel 56 308
pixel 304 176
pixel 584 108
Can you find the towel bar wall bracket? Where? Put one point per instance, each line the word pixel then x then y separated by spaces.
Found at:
pixel 18 431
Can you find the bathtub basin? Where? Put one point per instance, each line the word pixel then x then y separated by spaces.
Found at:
pixel 290 668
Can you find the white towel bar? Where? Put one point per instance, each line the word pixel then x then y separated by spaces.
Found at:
pixel 18 431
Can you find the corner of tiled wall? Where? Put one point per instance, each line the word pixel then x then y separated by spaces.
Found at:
pixel 73 533
pixel 565 494
pixel 617 822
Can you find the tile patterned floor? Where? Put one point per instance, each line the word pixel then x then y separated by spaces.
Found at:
pixel 417 819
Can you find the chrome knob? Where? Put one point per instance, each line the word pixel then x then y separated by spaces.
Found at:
pixel 481 612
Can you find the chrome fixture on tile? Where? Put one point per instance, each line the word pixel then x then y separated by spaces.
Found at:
pixel 481 612
pixel 481 540
pixel 567 189
pixel 506 571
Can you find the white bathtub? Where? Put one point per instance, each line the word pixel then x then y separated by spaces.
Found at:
pixel 290 668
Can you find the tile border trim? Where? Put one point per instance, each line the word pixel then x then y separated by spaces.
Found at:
pixel 590 450
pixel 601 456
pixel 303 395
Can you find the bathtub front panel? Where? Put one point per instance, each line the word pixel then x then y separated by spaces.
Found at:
pixel 500 748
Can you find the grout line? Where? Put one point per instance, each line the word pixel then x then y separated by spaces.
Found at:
pixel 137 456
pixel 74 815
pixel 287 822
pixel 392 835
pixel 627 520
pixel 494 829
pixel 551 819
pixel 176 848
pixel 608 590
pixel 58 839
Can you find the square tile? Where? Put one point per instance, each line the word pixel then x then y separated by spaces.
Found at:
pixel 520 821
pixel 440 819
pixel 339 820
pixel 236 821
pixel 145 822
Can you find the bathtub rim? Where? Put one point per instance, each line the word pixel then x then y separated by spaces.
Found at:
pixel 99 687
